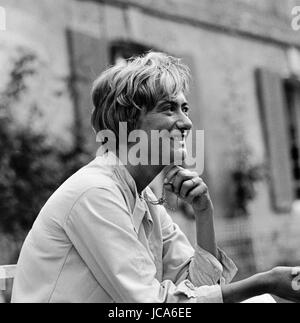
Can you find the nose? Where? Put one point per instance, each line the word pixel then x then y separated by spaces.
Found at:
pixel 184 123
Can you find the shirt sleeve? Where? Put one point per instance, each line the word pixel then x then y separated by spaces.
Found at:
pixel 182 261
pixel 101 229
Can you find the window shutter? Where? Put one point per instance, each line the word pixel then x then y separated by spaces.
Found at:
pixel 273 112
pixel 88 58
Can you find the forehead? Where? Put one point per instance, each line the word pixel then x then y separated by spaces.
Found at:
pixel 180 98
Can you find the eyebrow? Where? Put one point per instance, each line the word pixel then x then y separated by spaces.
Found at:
pixel 185 103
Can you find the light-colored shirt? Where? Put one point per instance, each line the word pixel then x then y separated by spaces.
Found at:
pixel 96 240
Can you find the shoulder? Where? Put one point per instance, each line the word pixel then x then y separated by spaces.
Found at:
pixel 103 205
pixel 91 184
pixel 95 175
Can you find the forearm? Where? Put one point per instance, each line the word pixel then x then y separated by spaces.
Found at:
pixel 206 233
pixel 244 289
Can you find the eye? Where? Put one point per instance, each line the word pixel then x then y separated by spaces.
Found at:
pixel 185 109
pixel 169 108
pixel 172 107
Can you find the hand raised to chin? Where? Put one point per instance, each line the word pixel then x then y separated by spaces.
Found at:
pixel 187 185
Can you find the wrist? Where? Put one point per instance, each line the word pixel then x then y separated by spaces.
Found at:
pixel 250 287
pixel 264 282
pixel 270 281
pixel 203 215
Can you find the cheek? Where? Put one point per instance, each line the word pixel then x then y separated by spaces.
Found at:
pixel 156 121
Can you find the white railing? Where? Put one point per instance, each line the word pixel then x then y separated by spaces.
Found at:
pixel 6 272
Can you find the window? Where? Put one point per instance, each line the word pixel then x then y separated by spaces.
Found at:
pixel 121 50
pixel 292 93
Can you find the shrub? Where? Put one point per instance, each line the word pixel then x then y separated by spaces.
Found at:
pixel 30 167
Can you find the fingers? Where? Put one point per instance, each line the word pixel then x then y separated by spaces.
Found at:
pixel 189 185
pixel 176 176
pixel 181 181
pixel 171 173
pixel 181 177
pixel 199 192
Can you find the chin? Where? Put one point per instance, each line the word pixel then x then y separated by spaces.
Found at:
pixel 179 156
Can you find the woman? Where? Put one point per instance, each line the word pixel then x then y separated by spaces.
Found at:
pixel 103 236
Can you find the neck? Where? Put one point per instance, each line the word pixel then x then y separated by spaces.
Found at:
pixel 143 175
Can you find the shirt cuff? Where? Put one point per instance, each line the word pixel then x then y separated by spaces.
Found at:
pixel 229 267
pixel 205 269
pixel 203 294
pixel 209 294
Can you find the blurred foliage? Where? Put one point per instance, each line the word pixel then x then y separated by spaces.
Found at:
pixel 244 178
pixel 244 170
pixel 30 167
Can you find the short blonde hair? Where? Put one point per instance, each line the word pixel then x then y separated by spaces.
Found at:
pixel 121 92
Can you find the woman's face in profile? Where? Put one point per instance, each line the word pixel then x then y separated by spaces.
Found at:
pixel 166 127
